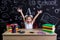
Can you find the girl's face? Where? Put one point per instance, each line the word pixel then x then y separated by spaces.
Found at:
pixel 28 19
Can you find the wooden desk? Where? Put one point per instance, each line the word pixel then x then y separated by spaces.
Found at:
pixel 29 36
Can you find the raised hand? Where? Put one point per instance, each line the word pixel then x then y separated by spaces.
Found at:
pixel 40 11
pixel 19 10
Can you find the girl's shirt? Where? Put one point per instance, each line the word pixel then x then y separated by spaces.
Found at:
pixel 28 26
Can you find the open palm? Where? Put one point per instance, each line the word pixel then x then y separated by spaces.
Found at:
pixel 40 11
pixel 19 10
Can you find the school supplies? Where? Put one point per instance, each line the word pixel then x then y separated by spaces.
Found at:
pixel 50 28
pixel 13 28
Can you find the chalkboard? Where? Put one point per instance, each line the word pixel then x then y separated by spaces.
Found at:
pixel 9 14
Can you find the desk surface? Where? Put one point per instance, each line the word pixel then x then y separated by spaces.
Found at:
pixel 27 32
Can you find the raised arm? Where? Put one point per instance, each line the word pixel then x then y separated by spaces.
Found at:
pixel 20 10
pixel 39 12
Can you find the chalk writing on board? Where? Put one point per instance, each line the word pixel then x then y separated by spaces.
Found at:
pixel 28 11
pixel 5 15
pixel 4 9
pixel 57 10
pixel 39 2
pixel 49 19
pixel 32 2
pixel 53 20
pixel 18 18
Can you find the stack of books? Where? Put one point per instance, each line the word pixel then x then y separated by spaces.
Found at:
pixel 50 28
